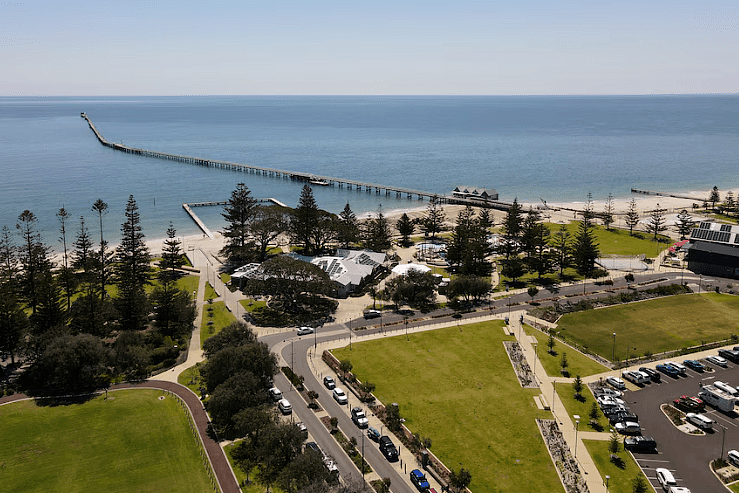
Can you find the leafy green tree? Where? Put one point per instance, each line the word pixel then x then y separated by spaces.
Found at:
pixel 729 202
pixel 551 342
pixel 233 335
pixel 269 223
pixel 639 484
pixel 405 227
pixel 468 287
pixel 614 445
pixel 532 292
pixel 132 271
pixel 414 289
pixel 303 470
pixel 714 197
pixel 632 216
pixel 239 212
pixel 513 222
pixel 513 267
pixel 594 413
pixel 174 310
pixel 577 385
pixel 348 227
pixel 245 457
pixel 131 355
pixel 49 310
pixel 345 366
pixel 432 221
pixel 657 222
pixel 685 224
pixel 585 248
pixel 607 215
pixel 459 481
pixel 241 390
pixel 377 235
pixel 279 446
pixel 563 363
pixel 253 358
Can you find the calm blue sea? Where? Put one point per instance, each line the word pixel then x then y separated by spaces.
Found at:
pixel 554 148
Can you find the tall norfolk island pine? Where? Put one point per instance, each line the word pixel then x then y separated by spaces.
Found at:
pixel 132 271
pixel 239 213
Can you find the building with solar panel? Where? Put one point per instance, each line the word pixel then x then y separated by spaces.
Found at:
pixel 714 250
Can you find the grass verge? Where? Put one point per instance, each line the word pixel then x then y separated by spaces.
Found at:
pixel 621 474
pixel 251 305
pixel 654 326
pixel 456 386
pixel 132 442
pixel 578 363
pixel 191 378
pixel 222 317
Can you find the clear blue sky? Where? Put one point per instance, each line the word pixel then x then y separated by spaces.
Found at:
pixel 380 47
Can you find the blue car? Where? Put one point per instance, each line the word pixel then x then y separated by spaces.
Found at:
pixel 694 365
pixel 419 480
pixel 668 370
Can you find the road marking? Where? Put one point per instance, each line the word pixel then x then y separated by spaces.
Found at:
pixel 717 415
pixel 708 378
pixel 652 460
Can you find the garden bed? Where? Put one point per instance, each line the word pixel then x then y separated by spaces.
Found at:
pixel 567 466
pixel 520 365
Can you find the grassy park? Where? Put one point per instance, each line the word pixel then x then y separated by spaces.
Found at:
pixel 654 326
pixel 132 442
pixel 618 241
pixel 457 387
pixel 621 474
pixel 221 318
pixel 578 363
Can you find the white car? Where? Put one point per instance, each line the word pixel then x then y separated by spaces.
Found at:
pixel 302 331
pixel 608 391
pixel 340 396
pixel 734 457
pixel 665 478
pixel 700 421
pixel 627 427
pixel 616 382
pixel 682 369
pixel 609 401
pixel 679 489
pixel 718 361
pixel 275 394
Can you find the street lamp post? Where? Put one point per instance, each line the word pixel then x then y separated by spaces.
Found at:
pixel 292 360
pixel 350 334
pixel 613 355
pixel 315 338
pixel 627 353
pixel 535 354
pixel 577 428
pixel 406 328
pixel 608 478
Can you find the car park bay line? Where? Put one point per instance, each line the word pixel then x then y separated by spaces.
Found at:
pixel 723 418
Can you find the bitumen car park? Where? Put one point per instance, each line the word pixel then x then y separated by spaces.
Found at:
pixel 685 455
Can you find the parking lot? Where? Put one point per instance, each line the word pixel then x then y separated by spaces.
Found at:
pixel 686 456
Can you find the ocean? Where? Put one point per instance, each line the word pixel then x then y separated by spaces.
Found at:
pixel 533 148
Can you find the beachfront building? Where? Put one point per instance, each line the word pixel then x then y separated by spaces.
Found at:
pixel 475 193
pixel 348 269
pixel 714 250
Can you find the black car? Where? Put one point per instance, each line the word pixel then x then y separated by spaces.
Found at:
pixel 732 356
pixel 668 370
pixel 312 446
pixel 653 374
pixel 329 383
pixel 642 443
pixel 387 447
pixel 622 416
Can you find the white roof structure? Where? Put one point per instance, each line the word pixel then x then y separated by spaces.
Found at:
pixel 349 267
pixel 402 269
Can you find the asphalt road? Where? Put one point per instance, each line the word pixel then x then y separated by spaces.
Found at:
pixel 687 456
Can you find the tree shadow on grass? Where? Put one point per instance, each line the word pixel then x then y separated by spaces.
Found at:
pixel 53 401
pixel 618 462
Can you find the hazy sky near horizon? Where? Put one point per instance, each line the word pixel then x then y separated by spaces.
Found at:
pixel 384 47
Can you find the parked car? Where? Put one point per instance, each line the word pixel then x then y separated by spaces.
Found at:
pixel 700 421
pixel 340 396
pixel 419 480
pixel 372 313
pixel 329 383
pixel 679 489
pixel 718 361
pixel 313 446
pixel 616 383
pixel 373 434
pixel 284 406
pixel 627 427
pixel 302 331
pixel 731 355
pixel 275 394
pixel 686 403
pixel 622 416
pixel 301 426
pixel 611 411
pixel 608 401
pixel 640 443
pixel 733 457
pixel 668 370
pixel 665 478
pixel 653 374
pixel 607 391
pixel 387 447
pixel 635 377
pixel 359 417
pixel 694 365
pixel 681 369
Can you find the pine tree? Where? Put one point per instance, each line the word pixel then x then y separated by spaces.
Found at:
pixel 486 221
pixel 377 232
pixel 171 257
pixel 132 271
pixel 269 223
pixel 607 216
pixel 348 227
pixel 104 257
pixel 87 308
pixel 714 197
pixel 405 227
pixel 239 213
pixel 13 320
pixel 560 242
pixel 468 248
pixel 305 220
pixel 433 221
pixel 632 216
pixel 33 256
pixel 685 224
pixel 585 248
pixel 66 273
pixel 534 236
pixel 657 222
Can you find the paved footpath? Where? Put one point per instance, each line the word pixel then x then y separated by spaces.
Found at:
pixel 216 455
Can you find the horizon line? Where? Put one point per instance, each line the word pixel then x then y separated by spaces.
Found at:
pixel 363 95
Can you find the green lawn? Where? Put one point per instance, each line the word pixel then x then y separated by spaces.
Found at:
pixel 579 364
pixel 459 389
pixel 132 442
pixel 191 379
pixel 620 481
pixel 658 325
pixel 619 242
pixel 734 487
pixel 225 279
pixel 222 317
pixel 210 293
pixel 251 305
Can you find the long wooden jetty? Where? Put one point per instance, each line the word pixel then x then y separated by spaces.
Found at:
pixel 663 194
pixel 201 224
pixel 298 176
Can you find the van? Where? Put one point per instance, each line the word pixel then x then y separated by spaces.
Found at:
pixel 734 457
pixel 700 421
pixel 284 406
pixel 665 478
